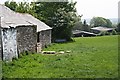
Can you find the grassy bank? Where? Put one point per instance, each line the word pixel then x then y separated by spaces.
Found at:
pixel 95 57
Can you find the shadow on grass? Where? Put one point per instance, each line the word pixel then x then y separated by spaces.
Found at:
pixel 69 41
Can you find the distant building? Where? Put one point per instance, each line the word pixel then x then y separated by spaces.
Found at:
pixel 98 30
pixel 20 33
pixel 78 33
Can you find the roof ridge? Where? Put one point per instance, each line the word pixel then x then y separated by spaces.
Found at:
pixel 21 19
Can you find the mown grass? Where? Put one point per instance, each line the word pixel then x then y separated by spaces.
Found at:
pixel 95 57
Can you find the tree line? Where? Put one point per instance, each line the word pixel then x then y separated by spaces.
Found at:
pixel 95 22
pixel 61 16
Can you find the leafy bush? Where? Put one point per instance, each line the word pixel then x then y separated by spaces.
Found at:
pixel 114 32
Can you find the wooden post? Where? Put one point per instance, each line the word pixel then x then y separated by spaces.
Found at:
pixel 39 47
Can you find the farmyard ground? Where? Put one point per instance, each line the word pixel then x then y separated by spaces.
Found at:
pixel 90 57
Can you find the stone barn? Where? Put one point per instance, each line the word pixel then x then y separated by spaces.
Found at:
pixel 20 33
pixel 43 31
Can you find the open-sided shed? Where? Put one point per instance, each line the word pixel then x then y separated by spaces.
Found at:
pixel 78 33
pixel 100 29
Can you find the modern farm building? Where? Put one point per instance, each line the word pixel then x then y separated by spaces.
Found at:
pixel 100 29
pixel 21 32
pixel 78 33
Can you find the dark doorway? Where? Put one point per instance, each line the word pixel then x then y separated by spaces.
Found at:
pixel 38 40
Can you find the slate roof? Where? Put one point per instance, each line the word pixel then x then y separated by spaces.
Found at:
pixel 14 19
pixel 9 18
pixel 41 26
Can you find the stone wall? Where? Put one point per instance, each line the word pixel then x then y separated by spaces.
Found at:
pixel 20 39
pixel 44 38
pixel 26 38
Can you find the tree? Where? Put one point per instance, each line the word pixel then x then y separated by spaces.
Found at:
pixel 85 26
pixel 23 7
pixel 61 16
pixel 78 26
pixel 100 21
pixel 118 27
pixel 12 5
pixel 109 23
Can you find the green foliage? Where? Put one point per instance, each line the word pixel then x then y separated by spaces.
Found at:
pixel 78 26
pixel 114 32
pixel 12 5
pixel 102 33
pixel 109 23
pixel 23 7
pixel 107 33
pixel 61 16
pixel 82 26
pixel 85 26
pixel 95 57
pixel 118 27
pixel 100 21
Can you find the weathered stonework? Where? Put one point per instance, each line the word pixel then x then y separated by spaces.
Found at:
pixel 44 38
pixel 26 38
pixel 20 39
pixel 9 43
pixel 18 33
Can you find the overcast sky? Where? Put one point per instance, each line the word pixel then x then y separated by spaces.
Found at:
pixel 103 8
pixel 91 8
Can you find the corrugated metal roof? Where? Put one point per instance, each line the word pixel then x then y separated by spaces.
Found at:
pixel 13 19
pixel 78 32
pixel 102 28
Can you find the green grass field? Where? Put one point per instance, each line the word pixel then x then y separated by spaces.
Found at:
pixel 95 57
